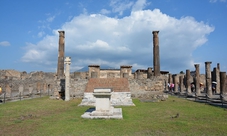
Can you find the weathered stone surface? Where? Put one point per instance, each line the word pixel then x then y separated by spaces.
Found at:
pixel 156 56
pixel 61 54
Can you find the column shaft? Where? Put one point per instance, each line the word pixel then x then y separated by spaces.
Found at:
pixel 156 57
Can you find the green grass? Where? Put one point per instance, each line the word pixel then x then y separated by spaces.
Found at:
pixel 46 117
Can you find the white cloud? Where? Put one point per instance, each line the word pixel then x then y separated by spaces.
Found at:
pixel 104 11
pixel 120 6
pixel 50 19
pixel 4 43
pixel 99 39
pixel 41 34
pixel 214 1
pixel 139 5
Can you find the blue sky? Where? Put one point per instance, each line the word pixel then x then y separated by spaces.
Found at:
pixel 113 33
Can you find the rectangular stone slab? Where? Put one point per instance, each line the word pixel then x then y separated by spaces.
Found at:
pixel 102 90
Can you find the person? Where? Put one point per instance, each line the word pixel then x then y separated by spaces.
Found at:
pixel 172 86
pixel 192 87
pixel 1 93
pixel 213 88
pixel 0 90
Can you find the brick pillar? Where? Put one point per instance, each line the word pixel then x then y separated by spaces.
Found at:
pixel 61 54
pixel 149 72
pixel 188 82
pixel 139 74
pixel 197 80
pixel 222 82
pixel 94 71
pixel 156 57
pixel 67 78
pixel 125 71
pixel 208 79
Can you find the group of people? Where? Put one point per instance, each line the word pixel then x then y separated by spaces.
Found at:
pixel 171 87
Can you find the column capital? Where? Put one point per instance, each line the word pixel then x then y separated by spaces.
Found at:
pixel 68 60
pixel 196 65
pixel 208 62
pixel 61 33
pixel 153 32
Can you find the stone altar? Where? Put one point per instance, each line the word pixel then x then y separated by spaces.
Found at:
pixel 103 108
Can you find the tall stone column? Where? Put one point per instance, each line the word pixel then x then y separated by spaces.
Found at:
pixel 188 82
pixel 181 81
pixel 170 79
pixel 197 80
pixel 218 78
pixel 176 82
pixel 156 57
pixel 222 82
pixel 208 78
pixel 67 78
pixel 61 54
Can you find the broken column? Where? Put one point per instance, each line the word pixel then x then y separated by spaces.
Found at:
pixel 188 82
pixel 156 57
pixel 61 54
pixel 181 81
pixel 222 82
pixel 208 79
pixel 217 73
pixel 197 79
pixel 67 78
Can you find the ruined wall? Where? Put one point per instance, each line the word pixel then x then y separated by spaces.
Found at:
pixel 13 82
pixel 141 87
pixel 109 74
pixel 78 87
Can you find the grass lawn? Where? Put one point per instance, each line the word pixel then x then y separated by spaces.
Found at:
pixel 46 117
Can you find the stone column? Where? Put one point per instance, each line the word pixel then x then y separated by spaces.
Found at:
pixel 176 82
pixel 197 80
pixel 181 81
pixel 170 79
pixel 208 78
pixel 188 82
pixel 61 54
pixel 222 82
pixel 218 79
pixel 156 57
pixel 67 78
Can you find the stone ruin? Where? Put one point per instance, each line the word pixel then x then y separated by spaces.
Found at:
pixel 145 84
